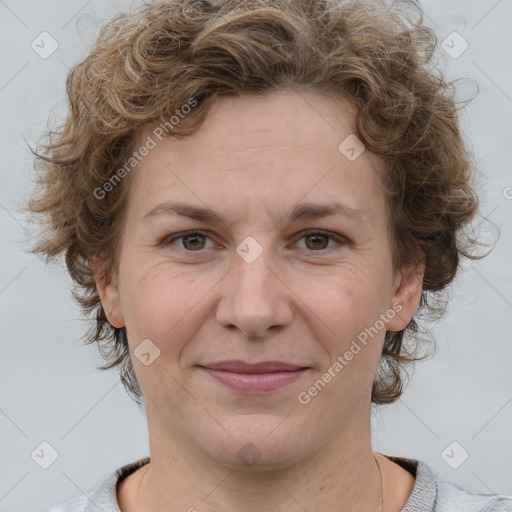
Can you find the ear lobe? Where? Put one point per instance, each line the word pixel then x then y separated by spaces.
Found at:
pixel 108 289
pixel 408 288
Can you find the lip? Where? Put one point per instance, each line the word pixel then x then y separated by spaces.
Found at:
pixel 254 378
pixel 239 366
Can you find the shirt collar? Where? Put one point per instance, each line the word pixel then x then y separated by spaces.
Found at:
pixel 423 496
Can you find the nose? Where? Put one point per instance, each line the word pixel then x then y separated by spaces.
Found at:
pixel 254 297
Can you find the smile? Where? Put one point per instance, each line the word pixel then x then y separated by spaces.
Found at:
pixel 254 380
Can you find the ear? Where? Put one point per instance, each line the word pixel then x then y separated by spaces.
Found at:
pixel 407 289
pixel 108 289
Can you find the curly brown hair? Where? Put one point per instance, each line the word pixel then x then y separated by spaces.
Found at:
pixel 145 65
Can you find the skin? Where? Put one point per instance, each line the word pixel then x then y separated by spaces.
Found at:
pixel 302 301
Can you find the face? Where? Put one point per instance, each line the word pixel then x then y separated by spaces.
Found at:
pixel 267 278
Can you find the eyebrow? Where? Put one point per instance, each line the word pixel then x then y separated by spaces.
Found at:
pixel 300 211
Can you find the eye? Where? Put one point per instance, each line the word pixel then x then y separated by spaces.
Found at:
pixel 194 241
pixel 318 238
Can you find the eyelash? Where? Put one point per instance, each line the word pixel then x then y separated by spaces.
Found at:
pixel 184 234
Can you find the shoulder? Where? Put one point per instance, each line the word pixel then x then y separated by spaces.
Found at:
pixel 74 505
pixel 452 496
pixel 433 494
pixel 104 496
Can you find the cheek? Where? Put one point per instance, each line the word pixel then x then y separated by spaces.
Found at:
pixel 160 304
pixel 346 301
pixel 345 315
pixel 350 306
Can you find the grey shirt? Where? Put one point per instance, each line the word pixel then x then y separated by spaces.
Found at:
pixel 429 494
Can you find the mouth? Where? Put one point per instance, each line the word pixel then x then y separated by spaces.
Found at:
pixel 255 378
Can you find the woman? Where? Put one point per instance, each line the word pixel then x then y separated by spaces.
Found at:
pixel 255 199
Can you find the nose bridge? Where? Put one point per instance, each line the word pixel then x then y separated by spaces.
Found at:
pixel 253 298
pixel 252 269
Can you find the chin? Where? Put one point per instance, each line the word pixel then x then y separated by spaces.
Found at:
pixel 257 445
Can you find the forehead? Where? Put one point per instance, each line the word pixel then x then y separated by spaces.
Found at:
pixel 272 151
pixel 282 118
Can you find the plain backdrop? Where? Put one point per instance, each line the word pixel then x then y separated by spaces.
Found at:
pixel 459 402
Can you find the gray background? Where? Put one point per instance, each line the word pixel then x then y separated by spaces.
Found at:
pixel 50 389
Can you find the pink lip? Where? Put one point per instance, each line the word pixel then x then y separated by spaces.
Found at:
pixel 256 378
pixel 262 367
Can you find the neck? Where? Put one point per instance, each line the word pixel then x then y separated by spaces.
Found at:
pixel 343 472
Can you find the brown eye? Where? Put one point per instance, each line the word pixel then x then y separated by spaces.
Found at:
pixel 194 241
pixel 318 241
pixel 191 241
